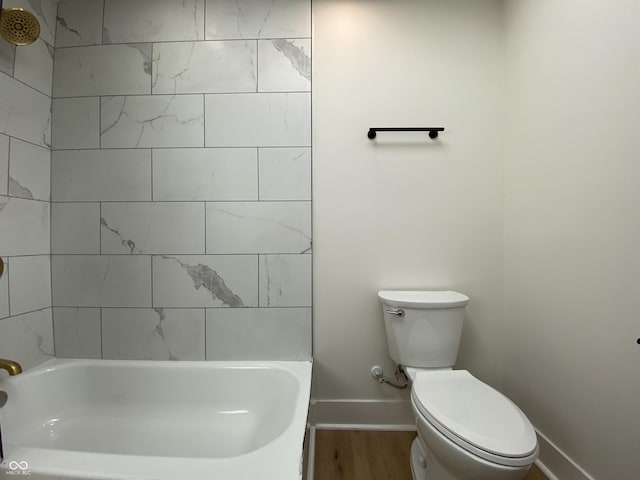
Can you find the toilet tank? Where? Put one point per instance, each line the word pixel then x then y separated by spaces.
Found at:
pixel 423 327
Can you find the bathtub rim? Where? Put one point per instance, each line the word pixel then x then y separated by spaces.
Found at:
pixel 297 367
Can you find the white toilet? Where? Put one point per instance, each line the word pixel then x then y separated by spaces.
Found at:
pixel 466 429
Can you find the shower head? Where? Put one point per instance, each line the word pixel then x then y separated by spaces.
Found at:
pixel 19 27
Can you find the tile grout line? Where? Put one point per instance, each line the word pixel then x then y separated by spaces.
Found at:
pixel 9 166
pixel 99 123
pixel 104 8
pixel 7 272
pixel 51 140
pixel 99 228
pixel 191 94
pixel 204 20
pixel 101 334
pixel 153 303
pixel 7 265
pixel 192 40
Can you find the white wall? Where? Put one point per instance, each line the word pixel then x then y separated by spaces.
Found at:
pixel 403 211
pixel 572 228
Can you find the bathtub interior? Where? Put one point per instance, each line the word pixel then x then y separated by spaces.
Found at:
pixel 155 411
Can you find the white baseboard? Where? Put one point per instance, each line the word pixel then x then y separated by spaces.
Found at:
pixel 311 462
pixel 556 464
pixel 362 414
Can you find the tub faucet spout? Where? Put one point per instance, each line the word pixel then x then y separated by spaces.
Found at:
pixel 12 368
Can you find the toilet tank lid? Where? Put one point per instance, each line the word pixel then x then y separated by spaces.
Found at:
pixel 423 298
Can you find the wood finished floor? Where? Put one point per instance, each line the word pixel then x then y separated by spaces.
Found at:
pixel 369 455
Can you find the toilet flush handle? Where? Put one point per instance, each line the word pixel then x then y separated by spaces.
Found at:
pixel 398 312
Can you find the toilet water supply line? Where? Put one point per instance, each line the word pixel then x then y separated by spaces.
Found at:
pixel 400 374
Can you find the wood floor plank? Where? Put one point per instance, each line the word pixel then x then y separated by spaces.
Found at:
pixel 391 457
pixel 362 455
pixel 535 474
pixel 369 455
pixel 333 459
pixel 363 465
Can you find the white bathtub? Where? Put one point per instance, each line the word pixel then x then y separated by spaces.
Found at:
pixel 109 419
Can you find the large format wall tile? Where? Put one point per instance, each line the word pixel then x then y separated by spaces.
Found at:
pixel 259 334
pixel 29 172
pixel 25 227
pixel 205 281
pixel 204 67
pixel 258 19
pixel 285 280
pixel 28 338
pixel 258 227
pixel 79 23
pixel 101 175
pixel 284 65
pixel 165 227
pixel 285 173
pixel 103 70
pixel 101 280
pixel 152 121
pixel 28 112
pixel 205 174
pixel 153 334
pixel 180 178
pixel 34 65
pixel 75 228
pixel 77 332
pixel 30 283
pixel 153 20
pixel 267 119
pixel 76 123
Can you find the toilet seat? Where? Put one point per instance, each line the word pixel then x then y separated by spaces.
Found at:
pixel 475 417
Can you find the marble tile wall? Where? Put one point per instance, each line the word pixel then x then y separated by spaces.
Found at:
pixel 181 179
pixel 26 79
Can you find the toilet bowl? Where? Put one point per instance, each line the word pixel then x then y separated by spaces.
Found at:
pixel 466 429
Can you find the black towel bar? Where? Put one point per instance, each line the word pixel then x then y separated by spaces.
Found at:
pixel 433 131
